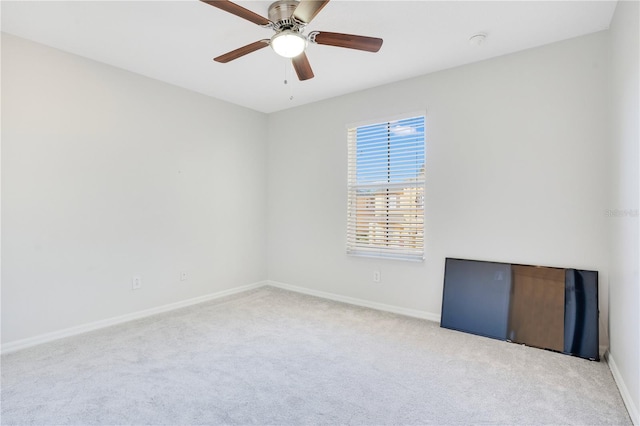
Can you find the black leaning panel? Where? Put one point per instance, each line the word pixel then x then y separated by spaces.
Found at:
pixel 476 297
pixel 581 337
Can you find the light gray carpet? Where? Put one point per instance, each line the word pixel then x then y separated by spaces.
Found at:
pixel 272 357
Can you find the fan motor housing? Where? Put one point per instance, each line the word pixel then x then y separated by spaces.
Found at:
pixel 280 13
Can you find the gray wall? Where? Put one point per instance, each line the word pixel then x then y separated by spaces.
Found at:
pixel 623 224
pixel 516 172
pixel 107 174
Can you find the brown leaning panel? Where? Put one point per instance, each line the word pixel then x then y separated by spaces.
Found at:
pixel 536 314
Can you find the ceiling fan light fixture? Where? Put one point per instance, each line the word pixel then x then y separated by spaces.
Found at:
pixel 288 44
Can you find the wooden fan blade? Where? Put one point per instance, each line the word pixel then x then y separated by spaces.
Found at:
pixel 302 66
pixel 237 10
pixel 244 50
pixel 308 9
pixel 350 41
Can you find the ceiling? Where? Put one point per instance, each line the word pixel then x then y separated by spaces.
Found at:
pixel 175 41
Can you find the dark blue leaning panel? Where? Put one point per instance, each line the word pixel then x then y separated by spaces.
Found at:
pixel 476 297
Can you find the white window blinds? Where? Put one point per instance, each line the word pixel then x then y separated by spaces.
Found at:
pixel 386 189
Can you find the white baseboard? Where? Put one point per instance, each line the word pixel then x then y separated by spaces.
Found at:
pixel 624 391
pixel 359 302
pixel 17 345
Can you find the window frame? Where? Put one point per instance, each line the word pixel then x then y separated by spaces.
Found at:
pixel 404 245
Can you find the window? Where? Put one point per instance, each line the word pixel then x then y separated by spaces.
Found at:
pixel 386 189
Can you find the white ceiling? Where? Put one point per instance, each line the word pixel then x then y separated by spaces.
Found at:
pixel 175 41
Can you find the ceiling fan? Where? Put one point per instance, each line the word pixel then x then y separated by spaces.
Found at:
pixel 288 19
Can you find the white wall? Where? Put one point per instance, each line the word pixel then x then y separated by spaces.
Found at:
pixel 624 278
pixel 107 174
pixel 517 171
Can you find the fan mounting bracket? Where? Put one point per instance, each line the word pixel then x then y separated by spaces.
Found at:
pixel 281 16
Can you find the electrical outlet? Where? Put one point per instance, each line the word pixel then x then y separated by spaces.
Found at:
pixel 136 282
pixel 183 276
pixel 376 276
